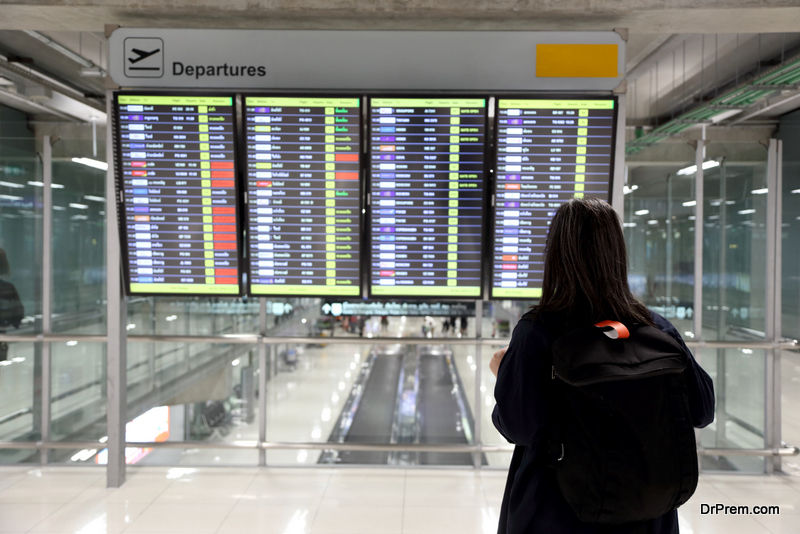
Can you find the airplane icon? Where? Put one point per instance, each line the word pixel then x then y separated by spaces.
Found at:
pixel 142 54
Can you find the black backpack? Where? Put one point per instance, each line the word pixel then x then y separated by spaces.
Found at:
pixel 624 444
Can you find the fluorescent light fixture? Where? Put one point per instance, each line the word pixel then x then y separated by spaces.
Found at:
pixel 96 199
pixel 728 113
pixel 693 168
pixel 715 202
pixel 690 203
pixel 746 212
pixel 102 165
pixel 652 221
pixel 130 327
pixel 12 185
pixel 641 212
pixel 692 217
pixel 72 343
pixel 628 190
pixel 59 208
pixel 10 197
pixel 78 206
pixel 796 191
pixel 629 225
pixel 763 191
pixel 79 218
pixel 730 202
pixel 41 184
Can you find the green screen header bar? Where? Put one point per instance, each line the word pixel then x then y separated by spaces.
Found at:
pixel 299 290
pixel 189 289
pixel 427 291
pixel 428 102
pixel 301 102
pixel 176 100
pixel 555 104
pixel 517 292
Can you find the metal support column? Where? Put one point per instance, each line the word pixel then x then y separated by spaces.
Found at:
pixel 116 353
pixel 263 374
pixel 617 193
pixel 772 313
pixel 778 313
pixel 697 318
pixel 478 373
pixel 47 290
pixel 699 155
pixel 670 231
pixel 722 367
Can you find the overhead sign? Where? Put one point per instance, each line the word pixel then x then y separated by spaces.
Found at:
pixel 411 309
pixel 366 60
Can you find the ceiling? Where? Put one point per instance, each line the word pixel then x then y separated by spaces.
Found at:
pixel 53 56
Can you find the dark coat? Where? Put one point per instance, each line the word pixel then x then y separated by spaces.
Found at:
pixel 532 502
pixel 11 310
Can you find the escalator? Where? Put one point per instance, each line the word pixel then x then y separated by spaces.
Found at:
pixel 404 395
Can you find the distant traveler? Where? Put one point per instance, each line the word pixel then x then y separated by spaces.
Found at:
pixel 384 324
pixel 586 282
pixel 11 310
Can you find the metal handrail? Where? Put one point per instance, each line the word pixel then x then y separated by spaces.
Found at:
pixel 366 447
pixel 255 339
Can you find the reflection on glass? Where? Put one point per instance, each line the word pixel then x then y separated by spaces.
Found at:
pixel 79 236
pixel 20 406
pixel 738 376
pixel 735 241
pixel 659 231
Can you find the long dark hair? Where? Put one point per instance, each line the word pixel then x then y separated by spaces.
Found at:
pixel 586 267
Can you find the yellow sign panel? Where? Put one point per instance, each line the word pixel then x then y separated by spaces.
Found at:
pixel 577 61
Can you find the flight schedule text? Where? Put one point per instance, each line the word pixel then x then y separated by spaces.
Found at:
pixel 548 152
pixel 179 205
pixel 304 195
pixel 426 180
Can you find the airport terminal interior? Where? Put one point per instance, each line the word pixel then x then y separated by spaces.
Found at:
pixel 358 398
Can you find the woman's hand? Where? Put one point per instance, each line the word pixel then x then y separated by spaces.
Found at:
pixel 494 363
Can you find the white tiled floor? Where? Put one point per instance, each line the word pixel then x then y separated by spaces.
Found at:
pixel 324 501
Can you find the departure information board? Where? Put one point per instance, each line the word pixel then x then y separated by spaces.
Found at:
pixel 548 151
pixel 427 192
pixel 304 195
pixel 179 211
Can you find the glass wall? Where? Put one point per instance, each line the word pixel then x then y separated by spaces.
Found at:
pixel 79 237
pixel 789 132
pixel 659 229
pixel 212 395
pixel 20 285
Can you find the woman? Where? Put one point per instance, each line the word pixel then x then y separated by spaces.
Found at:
pixel 11 310
pixel 585 281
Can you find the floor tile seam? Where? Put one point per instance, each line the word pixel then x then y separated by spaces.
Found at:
pixel 317 507
pixel 224 519
pixel 148 505
pixel 765 527
pixel 719 485
pixel 403 506
pixel 42 520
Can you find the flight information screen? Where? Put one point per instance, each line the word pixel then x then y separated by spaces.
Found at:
pixel 176 170
pixel 427 194
pixel 548 151
pixel 304 195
